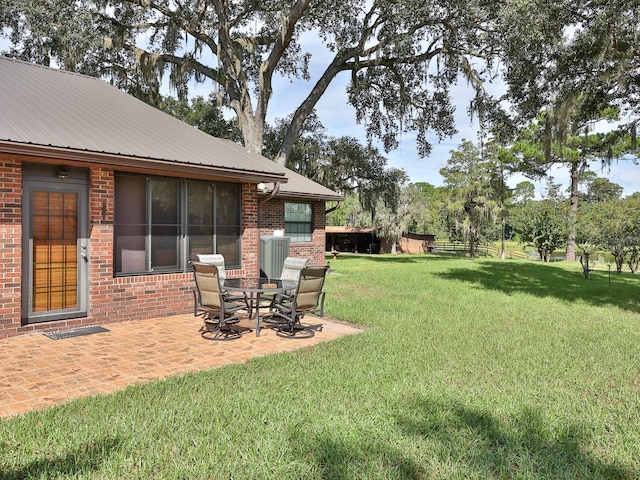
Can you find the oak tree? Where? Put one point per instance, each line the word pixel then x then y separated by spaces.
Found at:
pixel 402 57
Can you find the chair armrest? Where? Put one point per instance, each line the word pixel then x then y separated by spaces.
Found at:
pixel 280 298
pixel 286 297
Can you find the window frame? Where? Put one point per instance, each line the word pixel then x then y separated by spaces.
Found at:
pixel 296 236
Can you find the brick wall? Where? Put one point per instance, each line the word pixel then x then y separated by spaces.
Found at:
pixel 111 299
pixel 250 237
pixel 119 299
pixel 272 218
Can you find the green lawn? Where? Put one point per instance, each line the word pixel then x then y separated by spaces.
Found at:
pixel 469 369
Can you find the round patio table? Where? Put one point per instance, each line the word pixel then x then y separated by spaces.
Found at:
pixel 253 287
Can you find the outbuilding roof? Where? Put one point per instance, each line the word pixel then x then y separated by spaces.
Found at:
pixel 56 114
pixel 348 229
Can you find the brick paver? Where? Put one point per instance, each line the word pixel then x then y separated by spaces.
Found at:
pixel 36 371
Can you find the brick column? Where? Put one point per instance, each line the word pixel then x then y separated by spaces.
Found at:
pixel 250 235
pixel 10 245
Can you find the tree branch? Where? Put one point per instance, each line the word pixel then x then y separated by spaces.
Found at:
pixel 339 64
pixel 279 48
pixel 157 59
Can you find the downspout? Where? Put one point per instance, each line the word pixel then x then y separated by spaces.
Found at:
pixel 334 208
pixel 274 192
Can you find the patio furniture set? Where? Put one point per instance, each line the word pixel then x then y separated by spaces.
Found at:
pixel 223 302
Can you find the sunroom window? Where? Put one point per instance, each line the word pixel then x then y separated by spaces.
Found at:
pixel 160 223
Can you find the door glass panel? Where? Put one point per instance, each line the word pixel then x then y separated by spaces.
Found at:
pixel 55 250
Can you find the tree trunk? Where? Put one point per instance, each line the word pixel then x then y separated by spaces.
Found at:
pixel 250 122
pixel 584 261
pixel 252 129
pixel 573 214
pixel 502 235
pixel 281 158
pixel 472 245
pixel 633 260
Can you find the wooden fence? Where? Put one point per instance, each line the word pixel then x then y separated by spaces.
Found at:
pixel 483 250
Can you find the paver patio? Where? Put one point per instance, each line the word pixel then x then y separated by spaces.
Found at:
pixel 36 371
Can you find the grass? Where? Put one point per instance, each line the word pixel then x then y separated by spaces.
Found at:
pixel 469 369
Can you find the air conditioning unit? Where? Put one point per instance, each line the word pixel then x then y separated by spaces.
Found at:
pixel 273 251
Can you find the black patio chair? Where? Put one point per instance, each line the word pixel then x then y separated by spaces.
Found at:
pixel 220 315
pixel 308 298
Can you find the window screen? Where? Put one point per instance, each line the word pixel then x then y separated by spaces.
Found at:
pixel 161 223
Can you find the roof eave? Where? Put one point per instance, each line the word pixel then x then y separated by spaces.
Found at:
pixel 136 164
